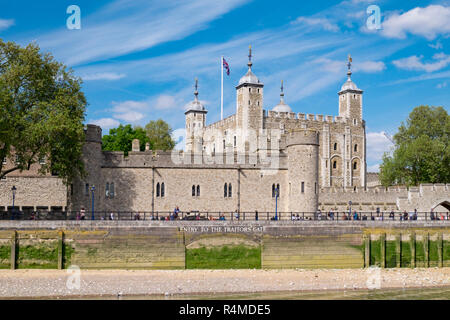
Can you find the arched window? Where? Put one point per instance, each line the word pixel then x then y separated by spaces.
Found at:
pixel 273 191
pixel 335 146
pixel 157 189
pixel 229 190
pixel 235 141
pixel 225 190
pixel 356 148
pixel 355 165
pixel 111 190
pixel 107 190
pixel 198 191
pixel 278 190
pixel 303 187
pixel 334 164
pixel 162 190
pixel 249 89
pixel 193 191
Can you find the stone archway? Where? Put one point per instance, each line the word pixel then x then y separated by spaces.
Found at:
pixel 444 203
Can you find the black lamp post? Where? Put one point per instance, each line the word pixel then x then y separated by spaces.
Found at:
pixel 276 203
pixel 350 206
pixel 93 189
pixel 13 189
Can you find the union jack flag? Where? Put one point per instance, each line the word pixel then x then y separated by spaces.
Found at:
pixel 226 66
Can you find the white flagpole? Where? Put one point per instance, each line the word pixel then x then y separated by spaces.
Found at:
pixel 221 95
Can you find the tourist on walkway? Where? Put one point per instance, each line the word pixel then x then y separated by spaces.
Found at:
pixel 82 214
pixel 392 215
pixel 236 215
pixel 111 216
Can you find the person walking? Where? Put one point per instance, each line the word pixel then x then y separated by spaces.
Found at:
pixel 236 215
pixel 82 214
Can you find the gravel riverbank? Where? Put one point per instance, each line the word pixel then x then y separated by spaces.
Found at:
pixel 53 283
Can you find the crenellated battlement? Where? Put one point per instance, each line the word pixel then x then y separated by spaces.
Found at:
pixel 222 123
pixel 422 189
pixel 305 117
pixel 93 133
pixel 182 159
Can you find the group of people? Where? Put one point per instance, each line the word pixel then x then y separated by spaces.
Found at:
pixel 176 215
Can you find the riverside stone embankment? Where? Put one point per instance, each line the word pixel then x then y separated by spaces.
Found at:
pixel 283 244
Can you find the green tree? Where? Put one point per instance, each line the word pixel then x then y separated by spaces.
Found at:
pixel 421 153
pixel 160 134
pixel 121 138
pixel 41 112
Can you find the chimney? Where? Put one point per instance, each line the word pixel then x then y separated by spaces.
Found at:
pixel 135 145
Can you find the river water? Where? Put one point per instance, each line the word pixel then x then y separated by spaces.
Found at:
pixel 382 294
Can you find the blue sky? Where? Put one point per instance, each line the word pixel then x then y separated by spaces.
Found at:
pixel 139 58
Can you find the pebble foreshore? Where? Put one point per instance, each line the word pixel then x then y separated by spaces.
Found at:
pixel 53 283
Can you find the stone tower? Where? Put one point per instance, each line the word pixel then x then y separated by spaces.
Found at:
pixel 350 99
pixel 249 105
pixel 81 189
pixel 195 123
pixel 303 167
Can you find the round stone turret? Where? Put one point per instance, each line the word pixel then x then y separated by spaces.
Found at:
pixel 303 167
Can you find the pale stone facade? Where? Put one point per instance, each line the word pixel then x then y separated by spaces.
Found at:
pixel 239 163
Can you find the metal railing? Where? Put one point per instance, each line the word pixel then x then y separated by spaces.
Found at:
pixel 224 215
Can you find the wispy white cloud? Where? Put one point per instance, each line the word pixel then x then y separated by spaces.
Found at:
pixel 108 76
pixel 428 22
pixel 369 66
pixel 128 26
pixel 322 23
pixel 441 60
pixel 6 23
pixel 377 145
pixel 436 46
pixel 105 123
pixel 442 85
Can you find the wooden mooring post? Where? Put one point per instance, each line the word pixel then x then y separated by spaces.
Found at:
pixel 383 250
pixel 367 250
pixel 60 250
pixel 14 250
pixel 412 243
pixel 398 250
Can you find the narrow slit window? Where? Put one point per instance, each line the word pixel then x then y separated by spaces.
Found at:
pixel 225 190
pixel 229 190
pixel 198 191
pixel 158 189
pixel 162 190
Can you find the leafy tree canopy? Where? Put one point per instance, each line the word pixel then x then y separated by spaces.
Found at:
pixel 41 112
pixel 121 138
pixel 160 134
pixel 421 153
